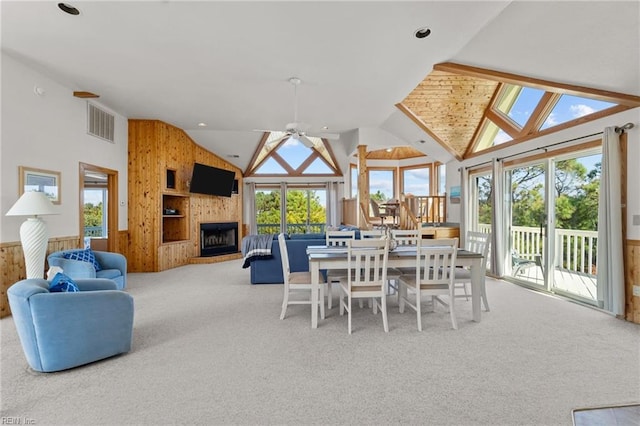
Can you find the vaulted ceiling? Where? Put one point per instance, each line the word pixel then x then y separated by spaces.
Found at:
pixel 227 64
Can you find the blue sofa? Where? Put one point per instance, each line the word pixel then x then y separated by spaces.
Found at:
pixel 59 331
pixel 114 266
pixel 268 270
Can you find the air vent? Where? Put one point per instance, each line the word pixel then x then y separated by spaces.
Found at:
pixel 101 123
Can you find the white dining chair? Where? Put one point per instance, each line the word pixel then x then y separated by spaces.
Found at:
pixel 336 239
pixel 432 277
pixel 366 277
pixel 477 242
pixel 372 233
pixel 296 283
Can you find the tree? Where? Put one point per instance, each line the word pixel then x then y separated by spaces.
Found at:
pixel 301 204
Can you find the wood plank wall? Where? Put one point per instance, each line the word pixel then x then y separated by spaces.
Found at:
pixel 632 277
pixel 155 147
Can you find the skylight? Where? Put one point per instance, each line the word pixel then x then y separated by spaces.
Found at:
pixel 518 102
pixel 571 107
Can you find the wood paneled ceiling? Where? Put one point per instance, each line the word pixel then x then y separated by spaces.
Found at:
pixel 443 98
pixel 456 103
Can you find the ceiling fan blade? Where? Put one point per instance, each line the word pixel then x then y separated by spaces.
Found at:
pixel 325 135
pixel 305 141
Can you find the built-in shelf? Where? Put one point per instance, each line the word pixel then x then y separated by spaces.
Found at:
pixel 175 227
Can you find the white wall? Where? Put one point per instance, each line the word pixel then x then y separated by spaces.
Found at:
pixel 49 132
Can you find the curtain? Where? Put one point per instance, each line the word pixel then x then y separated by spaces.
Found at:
pixel 498 194
pixel 332 204
pixel 609 264
pixel 283 207
pixel 250 202
pixel 464 206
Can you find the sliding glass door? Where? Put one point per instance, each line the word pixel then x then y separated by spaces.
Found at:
pixel 527 222
pixel 552 216
pixel 577 181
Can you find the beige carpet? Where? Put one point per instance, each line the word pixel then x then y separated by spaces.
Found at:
pixel 209 349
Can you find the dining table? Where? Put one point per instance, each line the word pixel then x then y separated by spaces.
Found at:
pixel 324 257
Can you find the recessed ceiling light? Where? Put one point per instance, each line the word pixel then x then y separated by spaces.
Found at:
pixel 389 149
pixel 422 32
pixel 67 8
pixel 233 156
pixel 325 127
pixel 202 124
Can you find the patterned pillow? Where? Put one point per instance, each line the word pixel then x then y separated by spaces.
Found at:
pixel 84 256
pixel 62 283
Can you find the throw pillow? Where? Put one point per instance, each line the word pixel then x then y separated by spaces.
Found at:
pixel 84 256
pixel 62 283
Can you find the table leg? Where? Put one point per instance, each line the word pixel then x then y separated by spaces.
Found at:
pixel 477 276
pixel 315 286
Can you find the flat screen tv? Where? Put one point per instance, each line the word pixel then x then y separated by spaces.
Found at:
pixel 211 180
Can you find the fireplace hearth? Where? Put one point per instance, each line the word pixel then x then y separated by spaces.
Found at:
pixel 218 238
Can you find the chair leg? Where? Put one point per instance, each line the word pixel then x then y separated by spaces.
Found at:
pixel 466 291
pixel 321 301
pixel 285 302
pixel 349 313
pixel 484 297
pixel 383 308
pixel 329 295
pixel 375 305
pixel 418 310
pixel 454 322
pixel 402 293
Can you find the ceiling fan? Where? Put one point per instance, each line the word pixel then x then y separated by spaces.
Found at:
pixel 298 130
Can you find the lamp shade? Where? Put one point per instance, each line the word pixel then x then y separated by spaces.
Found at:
pixel 32 204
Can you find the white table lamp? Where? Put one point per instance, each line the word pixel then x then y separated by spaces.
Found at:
pixel 33 231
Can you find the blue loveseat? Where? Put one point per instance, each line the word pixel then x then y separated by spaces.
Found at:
pixel 268 270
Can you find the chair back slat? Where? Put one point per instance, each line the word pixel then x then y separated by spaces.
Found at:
pixel 367 262
pixel 339 238
pixel 434 258
pixel 406 237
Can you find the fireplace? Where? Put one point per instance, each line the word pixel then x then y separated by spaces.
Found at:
pixel 218 238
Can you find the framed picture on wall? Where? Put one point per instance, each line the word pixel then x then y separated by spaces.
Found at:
pixel 40 180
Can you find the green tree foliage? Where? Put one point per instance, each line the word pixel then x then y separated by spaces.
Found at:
pixel 576 196
pixel 301 204
pixel 92 214
pixel 378 197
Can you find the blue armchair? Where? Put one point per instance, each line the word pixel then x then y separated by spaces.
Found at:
pixel 64 330
pixel 114 266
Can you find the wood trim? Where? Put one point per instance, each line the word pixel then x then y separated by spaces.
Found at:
pixel 545 105
pixel 85 95
pixel 418 121
pixel 503 123
pixel 249 171
pixel 570 89
pixel 632 276
pixel 336 169
pixel 112 201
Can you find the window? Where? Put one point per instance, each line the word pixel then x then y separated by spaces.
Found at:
pixel 518 102
pixel 442 179
pixel 416 181
pixel 354 181
pixel 381 184
pixel 282 155
pixel 572 107
pixel 306 211
pixel 268 210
